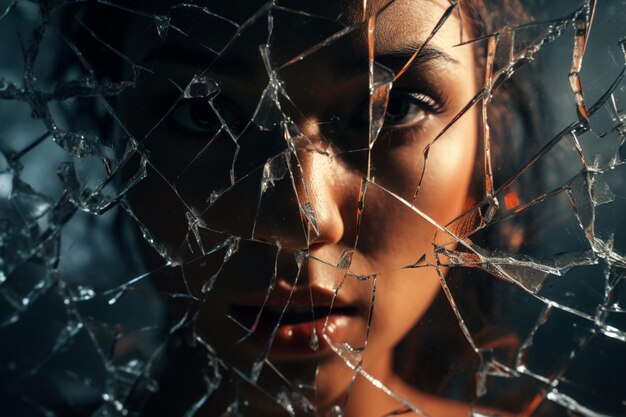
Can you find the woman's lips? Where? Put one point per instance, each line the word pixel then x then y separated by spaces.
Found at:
pixel 297 328
pixel 308 337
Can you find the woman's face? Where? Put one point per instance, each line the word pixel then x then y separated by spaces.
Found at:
pixel 318 231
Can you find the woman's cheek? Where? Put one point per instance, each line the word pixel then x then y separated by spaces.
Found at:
pixel 446 182
pixel 448 172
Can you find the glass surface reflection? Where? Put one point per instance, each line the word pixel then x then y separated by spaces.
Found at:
pixel 338 208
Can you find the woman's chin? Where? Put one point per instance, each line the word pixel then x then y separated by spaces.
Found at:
pixel 320 382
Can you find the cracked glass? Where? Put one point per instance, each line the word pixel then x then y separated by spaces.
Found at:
pixel 331 208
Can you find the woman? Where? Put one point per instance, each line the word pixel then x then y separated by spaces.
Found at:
pixel 305 191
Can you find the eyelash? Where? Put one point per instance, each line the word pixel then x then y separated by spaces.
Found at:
pixel 430 102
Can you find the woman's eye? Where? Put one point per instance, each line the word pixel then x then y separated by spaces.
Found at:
pixel 404 109
pixel 198 116
pixel 409 108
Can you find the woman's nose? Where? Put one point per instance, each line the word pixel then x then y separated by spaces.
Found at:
pixel 300 198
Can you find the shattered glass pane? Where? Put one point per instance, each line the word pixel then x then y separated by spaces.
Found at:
pixel 333 208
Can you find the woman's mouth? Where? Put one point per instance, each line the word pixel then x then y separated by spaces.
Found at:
pixel 291 324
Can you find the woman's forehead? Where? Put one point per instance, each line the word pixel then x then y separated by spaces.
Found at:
pixel 330 31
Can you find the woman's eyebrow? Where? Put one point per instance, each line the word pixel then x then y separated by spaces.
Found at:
pixel 395 59
pixel 211 63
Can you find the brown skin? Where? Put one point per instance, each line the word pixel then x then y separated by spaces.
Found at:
pixel 328 172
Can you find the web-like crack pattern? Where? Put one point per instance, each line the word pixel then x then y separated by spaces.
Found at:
pixel 290 208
